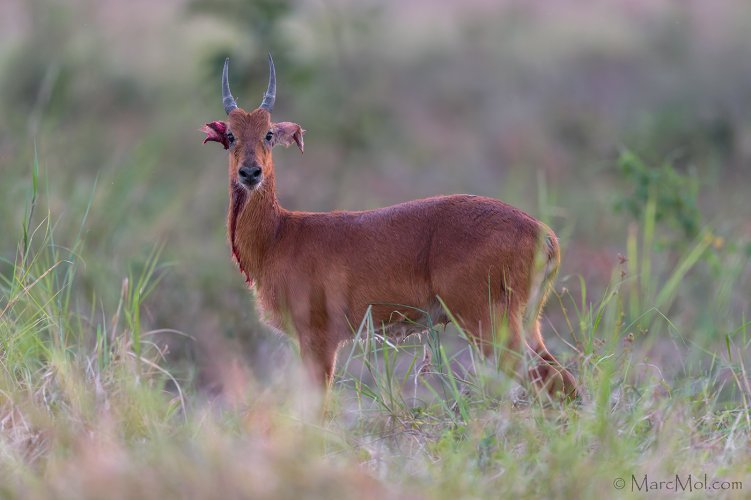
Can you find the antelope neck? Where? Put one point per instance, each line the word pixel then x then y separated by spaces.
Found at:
pixel 252 223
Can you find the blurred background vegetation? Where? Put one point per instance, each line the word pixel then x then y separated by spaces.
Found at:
pixel 585 115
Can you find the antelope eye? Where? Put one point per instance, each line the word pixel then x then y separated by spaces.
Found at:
pixel 269 136
pixel 230 137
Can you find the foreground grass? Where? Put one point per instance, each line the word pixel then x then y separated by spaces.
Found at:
pixel 89 407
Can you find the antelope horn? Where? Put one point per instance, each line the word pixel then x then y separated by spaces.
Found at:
pixel 227 99
pixel 270 96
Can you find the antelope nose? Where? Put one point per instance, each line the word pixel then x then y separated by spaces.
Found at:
pixel 250 175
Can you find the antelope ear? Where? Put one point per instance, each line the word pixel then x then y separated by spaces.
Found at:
pixel 285 133
pixel 217 132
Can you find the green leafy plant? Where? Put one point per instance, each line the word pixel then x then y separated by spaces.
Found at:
pixel 675 194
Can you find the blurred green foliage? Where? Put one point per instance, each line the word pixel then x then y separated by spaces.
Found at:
pixel 255 28
pixel 675 194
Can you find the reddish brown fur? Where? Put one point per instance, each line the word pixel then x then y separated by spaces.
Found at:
pixel 316 274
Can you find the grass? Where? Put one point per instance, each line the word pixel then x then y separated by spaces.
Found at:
pixel 91 407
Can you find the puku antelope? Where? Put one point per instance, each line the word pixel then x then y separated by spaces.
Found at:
pixel 316 274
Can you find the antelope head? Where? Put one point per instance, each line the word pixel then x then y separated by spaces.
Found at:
pixel 250 136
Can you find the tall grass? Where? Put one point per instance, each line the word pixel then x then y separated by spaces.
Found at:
pixel 89 407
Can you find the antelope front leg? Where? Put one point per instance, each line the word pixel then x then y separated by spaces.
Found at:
pixel 546 373
pixel 319 357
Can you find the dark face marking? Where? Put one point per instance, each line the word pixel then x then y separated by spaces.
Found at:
pixel 239 196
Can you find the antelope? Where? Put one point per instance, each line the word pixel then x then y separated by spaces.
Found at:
pixel 474 260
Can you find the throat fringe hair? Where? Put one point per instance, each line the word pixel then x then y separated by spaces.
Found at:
pixel 239 196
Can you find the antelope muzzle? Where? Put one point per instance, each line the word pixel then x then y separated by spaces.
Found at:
pixel 250 176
